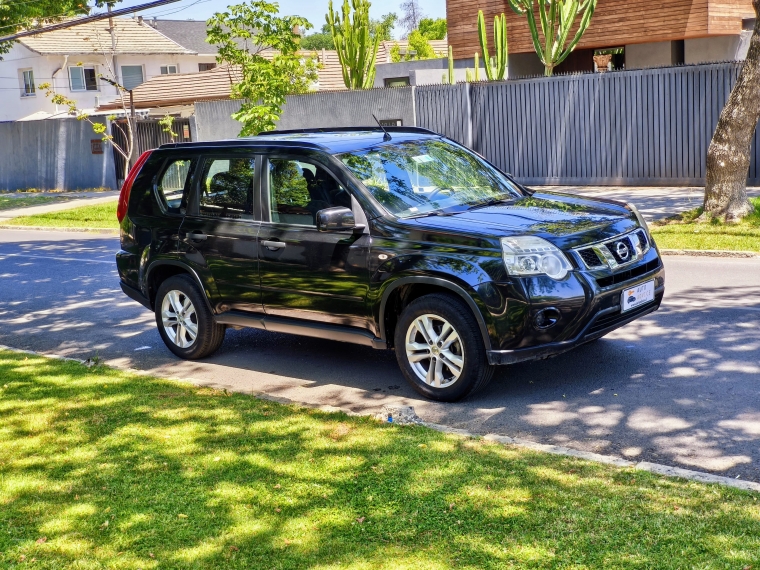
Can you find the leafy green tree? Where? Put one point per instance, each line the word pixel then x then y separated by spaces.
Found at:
pixel 383 28
pixel 418 47
pixel 16 16
pixel 243 35
pixel 556 18
pixel 433 29
pixel 318 40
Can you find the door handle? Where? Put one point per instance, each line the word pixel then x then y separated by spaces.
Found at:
pixel 273 245
pixel 195 236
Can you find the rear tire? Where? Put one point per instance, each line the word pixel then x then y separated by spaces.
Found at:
pixel 184 320
pixel 440 350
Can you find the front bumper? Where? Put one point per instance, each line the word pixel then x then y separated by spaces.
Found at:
pixel 603 317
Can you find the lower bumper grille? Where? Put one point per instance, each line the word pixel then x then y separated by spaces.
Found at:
pixel 613 319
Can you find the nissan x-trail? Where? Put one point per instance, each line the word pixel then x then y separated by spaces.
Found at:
pixel 399 240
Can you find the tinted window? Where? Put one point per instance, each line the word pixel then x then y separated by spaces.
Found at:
pixel 227 188
pixel 414 178
pixel 173 184
pixel 298 190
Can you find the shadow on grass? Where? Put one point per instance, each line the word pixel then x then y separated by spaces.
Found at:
pixel 100 468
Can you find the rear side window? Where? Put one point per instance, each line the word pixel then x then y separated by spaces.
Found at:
pixel 227 188
pixel 174 183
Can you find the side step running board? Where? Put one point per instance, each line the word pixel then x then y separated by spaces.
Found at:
pixel 304 328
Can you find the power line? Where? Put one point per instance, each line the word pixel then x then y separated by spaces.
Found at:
pixel 88 19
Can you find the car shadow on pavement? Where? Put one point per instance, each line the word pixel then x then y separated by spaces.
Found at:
pixel 678 387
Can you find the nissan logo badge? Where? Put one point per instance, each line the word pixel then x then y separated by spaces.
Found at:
pixel 622 250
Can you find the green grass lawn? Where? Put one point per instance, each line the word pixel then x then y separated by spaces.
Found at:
pixel 95 216
pixel 103 469
pixel 682 232
pixel 9 202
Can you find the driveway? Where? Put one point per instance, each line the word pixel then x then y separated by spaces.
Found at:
pixel 654 203
pixel 680 387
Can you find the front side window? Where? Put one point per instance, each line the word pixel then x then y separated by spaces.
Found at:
pixel 298 190
pixel 173 184
pixel 169 69
pixel 227 188
pixel 83 78
pixel 27 83
pixel 422 177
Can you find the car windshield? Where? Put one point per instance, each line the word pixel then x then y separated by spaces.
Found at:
pixel 426 177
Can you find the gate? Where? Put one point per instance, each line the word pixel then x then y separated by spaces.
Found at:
pixel 149 135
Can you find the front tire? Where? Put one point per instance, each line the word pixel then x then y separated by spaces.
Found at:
pixel 440 350
pixel 184 321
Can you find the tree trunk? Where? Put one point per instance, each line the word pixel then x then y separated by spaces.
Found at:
pixel 728 157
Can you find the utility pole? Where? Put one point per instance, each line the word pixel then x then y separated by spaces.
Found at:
pixel 112 30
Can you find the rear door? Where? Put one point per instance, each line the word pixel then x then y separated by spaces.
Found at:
pixel 219 233
pixel 305 273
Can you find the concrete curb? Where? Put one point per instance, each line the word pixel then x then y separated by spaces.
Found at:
pixel 656 468
pixel 710 253
pixel 105 231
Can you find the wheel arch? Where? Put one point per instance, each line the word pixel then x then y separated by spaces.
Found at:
pixel 426 285
pixel 161 270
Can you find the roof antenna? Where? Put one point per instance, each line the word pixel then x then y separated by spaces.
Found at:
pixel 387 135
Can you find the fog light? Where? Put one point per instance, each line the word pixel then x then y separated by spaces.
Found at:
pixel 546 318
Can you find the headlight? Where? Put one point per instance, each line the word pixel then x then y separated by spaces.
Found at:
pixel 528 255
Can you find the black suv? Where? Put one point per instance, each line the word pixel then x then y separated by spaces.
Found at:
pixel 398 240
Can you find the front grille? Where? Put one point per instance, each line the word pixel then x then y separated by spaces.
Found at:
pixel 590 258
pixel 612 319
pixel 624 276
pixel 643 239
pixel 622 245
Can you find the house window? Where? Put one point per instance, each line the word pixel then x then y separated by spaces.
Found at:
pixel 206 66
pixel 83 78
pixel 27 83
pixel 169 69
pixel 396 81
pixel 131 76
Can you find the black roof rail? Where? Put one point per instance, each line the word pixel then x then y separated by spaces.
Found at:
pixel 351 129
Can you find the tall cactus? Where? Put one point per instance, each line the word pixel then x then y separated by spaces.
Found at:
pixel 557 19
pixel 496 68
pixel 356 48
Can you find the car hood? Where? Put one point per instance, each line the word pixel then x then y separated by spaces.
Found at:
pixel 565 220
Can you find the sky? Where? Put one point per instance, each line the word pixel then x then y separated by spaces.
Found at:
pixel 312 10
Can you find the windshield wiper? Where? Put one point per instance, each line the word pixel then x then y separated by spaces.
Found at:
pixel 492 202
pixel 429 214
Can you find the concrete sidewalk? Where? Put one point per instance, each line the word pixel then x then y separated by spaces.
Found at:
pixel 79 199
pixel 654 203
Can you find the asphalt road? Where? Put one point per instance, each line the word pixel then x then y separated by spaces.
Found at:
pixel 680 387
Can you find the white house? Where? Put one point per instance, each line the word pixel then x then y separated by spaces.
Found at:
pixel 76 60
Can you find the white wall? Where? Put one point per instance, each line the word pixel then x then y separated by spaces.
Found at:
pixel 14 106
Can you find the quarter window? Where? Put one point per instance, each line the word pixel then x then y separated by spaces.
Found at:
pixel 169 69
pixel 298 190
pixel 173 184
pixel 83 78
pixel 227 188
pixel 27 83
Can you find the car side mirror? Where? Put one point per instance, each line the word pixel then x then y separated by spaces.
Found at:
pixel 336 219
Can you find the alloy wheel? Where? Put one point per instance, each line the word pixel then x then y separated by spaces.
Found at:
pixel 434 351
pixel 179 319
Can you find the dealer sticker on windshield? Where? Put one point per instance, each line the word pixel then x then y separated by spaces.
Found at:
pixel 637 296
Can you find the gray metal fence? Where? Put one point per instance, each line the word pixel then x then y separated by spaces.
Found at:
pixel 62 154
pixel 646 127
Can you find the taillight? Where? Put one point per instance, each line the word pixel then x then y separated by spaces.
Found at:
pixel 126 188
